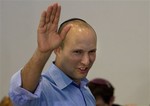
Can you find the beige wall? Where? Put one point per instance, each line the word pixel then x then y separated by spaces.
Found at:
pixel 0 49
pixel 149 52
pixel 123 44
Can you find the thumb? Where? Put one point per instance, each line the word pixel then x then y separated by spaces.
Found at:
pixel 64 31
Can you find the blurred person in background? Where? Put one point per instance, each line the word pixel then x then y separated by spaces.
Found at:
pixel 103 91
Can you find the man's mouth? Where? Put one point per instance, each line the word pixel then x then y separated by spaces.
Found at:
pixel 83 70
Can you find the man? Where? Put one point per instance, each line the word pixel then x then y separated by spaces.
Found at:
pixel 64 84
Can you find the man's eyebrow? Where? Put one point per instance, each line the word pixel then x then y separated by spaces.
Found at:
pixel 93 49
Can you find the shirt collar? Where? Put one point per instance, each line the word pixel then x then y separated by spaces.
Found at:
pixel 61 79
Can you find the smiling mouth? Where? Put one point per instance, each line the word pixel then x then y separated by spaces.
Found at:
pixel 83 70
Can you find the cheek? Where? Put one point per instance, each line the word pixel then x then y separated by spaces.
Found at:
pixel 74 60
pixel 92 58
pixel 69 64
pixel 71 60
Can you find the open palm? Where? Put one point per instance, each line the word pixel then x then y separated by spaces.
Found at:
pixel 48 38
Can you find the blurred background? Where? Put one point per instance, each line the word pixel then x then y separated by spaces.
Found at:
pixel 122 26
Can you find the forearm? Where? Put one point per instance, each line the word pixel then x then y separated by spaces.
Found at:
pixel 32 71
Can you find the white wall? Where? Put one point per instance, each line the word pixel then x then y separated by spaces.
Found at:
pixel 123 44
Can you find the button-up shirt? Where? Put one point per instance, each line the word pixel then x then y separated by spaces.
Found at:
pixel 55 89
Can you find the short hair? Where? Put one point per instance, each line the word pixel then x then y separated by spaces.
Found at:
pixel 101 88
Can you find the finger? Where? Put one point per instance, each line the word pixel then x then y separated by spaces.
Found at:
pixel 42 19
pixel 64 31
pixel 57 15
pixel 56 19
pixel 54 10
pixel 49 12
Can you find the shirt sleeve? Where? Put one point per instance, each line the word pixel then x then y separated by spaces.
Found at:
pixel 19 95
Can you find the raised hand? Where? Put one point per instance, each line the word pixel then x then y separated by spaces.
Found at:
pixel 48 38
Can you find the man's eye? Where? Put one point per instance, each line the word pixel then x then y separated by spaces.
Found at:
pixel 78 52
pixel 92 51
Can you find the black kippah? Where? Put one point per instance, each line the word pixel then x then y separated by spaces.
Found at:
pixel 72 19
pixel 69 20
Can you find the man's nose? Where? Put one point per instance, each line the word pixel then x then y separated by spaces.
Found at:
pixel 85 59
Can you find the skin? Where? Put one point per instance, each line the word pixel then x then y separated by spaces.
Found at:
pixel 48 39
pixel 79 52
pixel 100 102
pixel 75 58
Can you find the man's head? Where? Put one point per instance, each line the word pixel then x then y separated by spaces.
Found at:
pixel 72 22
pixel 77 53
pixel 103 91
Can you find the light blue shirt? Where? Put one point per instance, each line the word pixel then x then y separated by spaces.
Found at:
pixel 54 89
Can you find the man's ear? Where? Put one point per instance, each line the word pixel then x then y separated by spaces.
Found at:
pixel 57 50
